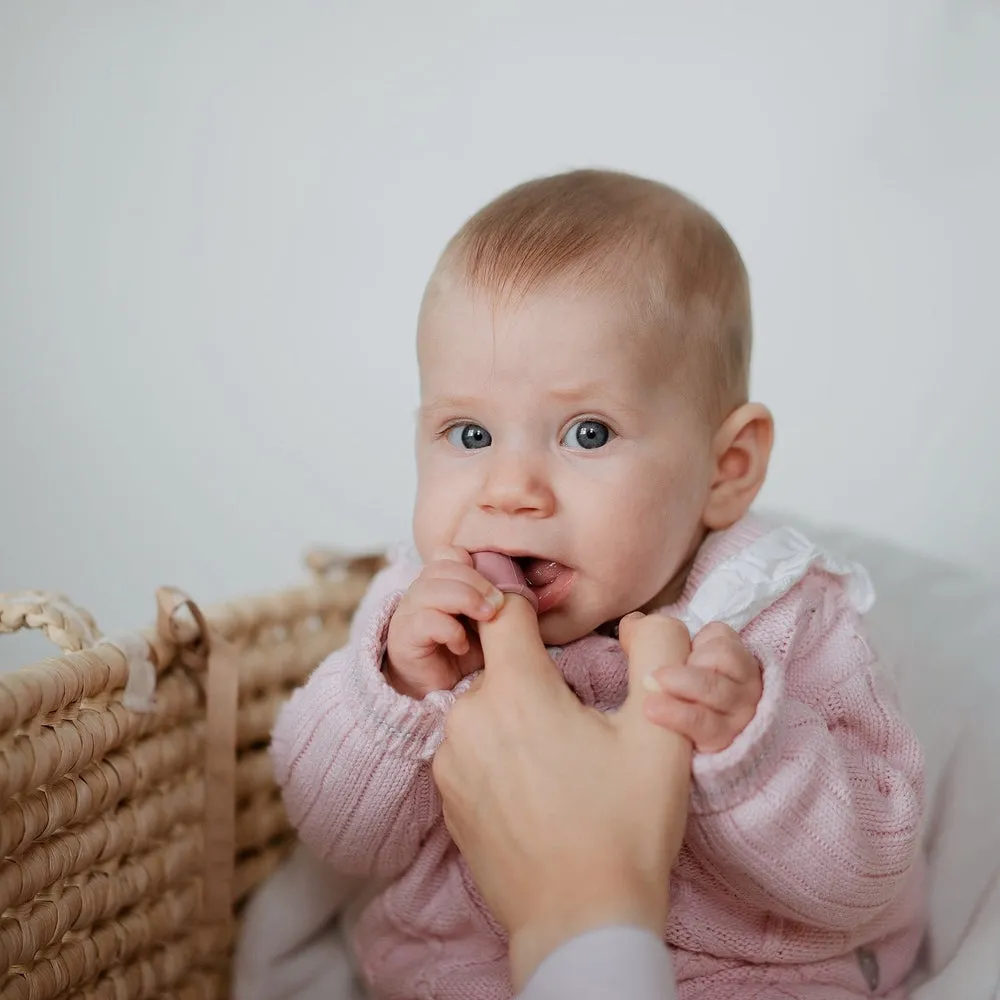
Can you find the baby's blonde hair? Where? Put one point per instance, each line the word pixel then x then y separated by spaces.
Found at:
pixel 674 263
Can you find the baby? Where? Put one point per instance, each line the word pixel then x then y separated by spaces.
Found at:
pixel 584 347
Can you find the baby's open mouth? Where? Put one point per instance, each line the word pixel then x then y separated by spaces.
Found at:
pixel 551 581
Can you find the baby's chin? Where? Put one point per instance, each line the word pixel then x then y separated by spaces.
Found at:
pixel 560 627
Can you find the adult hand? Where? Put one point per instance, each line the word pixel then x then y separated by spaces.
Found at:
pixel 568 819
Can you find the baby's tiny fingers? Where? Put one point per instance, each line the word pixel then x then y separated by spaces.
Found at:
pixel 435 627
pixel 451 553
pixel 445 570
pixel 706 729
pixel 708 687
pixel 732 660
pixel 459 643
pixel 456 597
pixel 712 632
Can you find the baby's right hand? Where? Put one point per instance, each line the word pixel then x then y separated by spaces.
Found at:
pixel 428 648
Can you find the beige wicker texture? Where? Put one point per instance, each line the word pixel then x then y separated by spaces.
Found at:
pixel 102 808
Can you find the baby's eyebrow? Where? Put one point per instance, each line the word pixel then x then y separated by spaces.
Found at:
pixel 595 393
pixel 579 393
pixel 448 404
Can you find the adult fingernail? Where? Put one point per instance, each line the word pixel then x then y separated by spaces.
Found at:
pixel 495 599
pixel 651 683
pixel 633 616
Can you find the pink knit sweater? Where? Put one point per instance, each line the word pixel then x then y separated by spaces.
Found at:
pixel 801 873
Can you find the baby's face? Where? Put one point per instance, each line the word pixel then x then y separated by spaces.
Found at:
pixel 554 431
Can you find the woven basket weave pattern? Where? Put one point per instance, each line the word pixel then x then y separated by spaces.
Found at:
pixel 101 807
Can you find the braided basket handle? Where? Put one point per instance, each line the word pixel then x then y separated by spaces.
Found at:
pixel 71 628
pixel 324 562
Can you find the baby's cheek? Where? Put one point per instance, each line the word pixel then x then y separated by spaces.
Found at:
pixel 431 522
pixel 446 500
pixel 634 568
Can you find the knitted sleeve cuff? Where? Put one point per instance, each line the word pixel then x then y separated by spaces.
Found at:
pixel 399 724
pixel 729 777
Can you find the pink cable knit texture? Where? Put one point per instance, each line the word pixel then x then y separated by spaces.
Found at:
pixel 801 868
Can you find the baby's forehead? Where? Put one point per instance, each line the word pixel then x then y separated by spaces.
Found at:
pixel 549 361
pixel 561 329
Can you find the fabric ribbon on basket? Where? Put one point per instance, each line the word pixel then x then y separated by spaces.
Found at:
pixel 204 649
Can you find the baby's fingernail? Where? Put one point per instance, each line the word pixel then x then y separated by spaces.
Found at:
pixel 633 616
pixel 651 683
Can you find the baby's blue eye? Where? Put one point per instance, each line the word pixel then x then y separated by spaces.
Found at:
pixel 587 434
pixel 469 436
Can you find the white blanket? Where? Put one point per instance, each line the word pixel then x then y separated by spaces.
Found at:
pixel 940 628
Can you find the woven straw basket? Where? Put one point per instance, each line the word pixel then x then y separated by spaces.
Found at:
pixel 137 807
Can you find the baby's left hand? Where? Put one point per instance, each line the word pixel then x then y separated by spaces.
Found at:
pixel 713 696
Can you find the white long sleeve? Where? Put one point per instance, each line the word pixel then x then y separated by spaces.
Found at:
pixel 627 963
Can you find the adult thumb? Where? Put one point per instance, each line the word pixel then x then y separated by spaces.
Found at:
pixel 511 640
pixel 651 642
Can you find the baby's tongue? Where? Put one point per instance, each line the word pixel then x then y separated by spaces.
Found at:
pixel 540 572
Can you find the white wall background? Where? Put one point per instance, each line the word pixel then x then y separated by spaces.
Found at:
pixel 216 220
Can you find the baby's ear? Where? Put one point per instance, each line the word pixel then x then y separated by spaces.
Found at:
pixel 742 451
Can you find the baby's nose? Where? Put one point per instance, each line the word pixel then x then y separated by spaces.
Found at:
pixel 517 486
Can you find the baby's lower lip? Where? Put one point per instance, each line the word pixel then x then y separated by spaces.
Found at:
pixel 555 590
